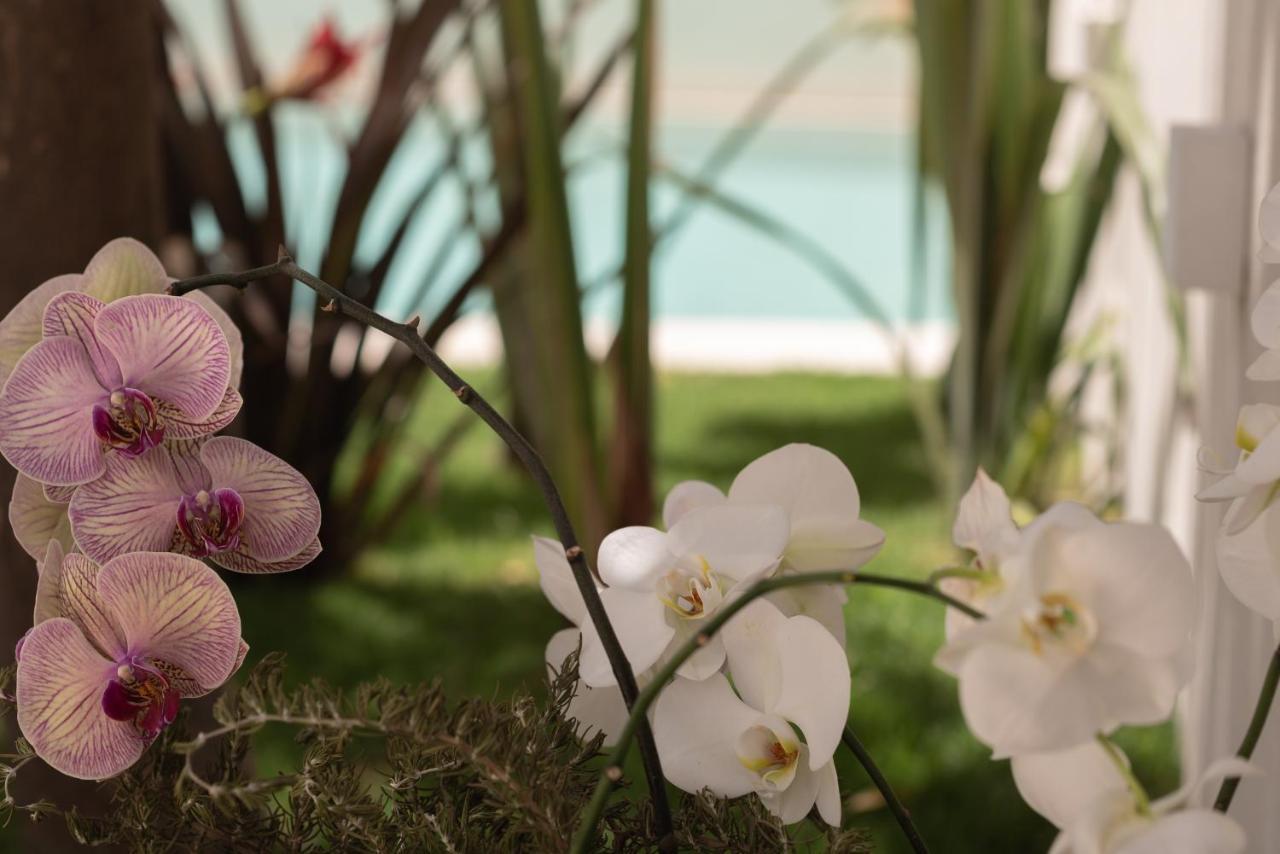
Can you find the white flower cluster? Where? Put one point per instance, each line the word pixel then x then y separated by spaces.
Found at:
pixel 1089 627
pixel 762 706
pixel 1074 628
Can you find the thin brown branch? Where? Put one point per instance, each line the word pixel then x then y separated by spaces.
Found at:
pixel 407 333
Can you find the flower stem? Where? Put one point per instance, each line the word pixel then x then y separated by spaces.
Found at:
pixel 407 333
pixel 1260 712
pixel 1140 797
pixel 612 771
pixel 886 791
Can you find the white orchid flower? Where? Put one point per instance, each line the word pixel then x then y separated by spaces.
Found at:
pixel 662 587
pixel 595 709
pixel 1252 485
pixel 1095 633
pixel 790 674
pixel 822 504
pixel 1083 792
pixel 1248 540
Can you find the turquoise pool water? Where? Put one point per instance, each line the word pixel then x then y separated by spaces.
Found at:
pixel 849 193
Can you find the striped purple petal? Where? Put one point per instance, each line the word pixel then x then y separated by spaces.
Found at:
pixel 169 348
pixel 235 342
pixel 238 561
pixel 73 314
pixel 79 600
pixel 178 426
pixel 122 268
pixel 60 684
pixel 175 609
pixel 134 505
pixel 281 511
pixel 36 520
pixel 59 494
pixel 46 412
pixel 21 329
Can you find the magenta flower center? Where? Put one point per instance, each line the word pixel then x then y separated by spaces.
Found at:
pixel 210 521
pixel 128 422
pixel 141 694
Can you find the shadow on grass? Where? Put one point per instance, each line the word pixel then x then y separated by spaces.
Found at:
pixel 477 642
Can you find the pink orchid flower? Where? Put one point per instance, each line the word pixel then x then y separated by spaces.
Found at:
pixel 114 651
pixel 222 498
pixel 121 268
pixel 121 376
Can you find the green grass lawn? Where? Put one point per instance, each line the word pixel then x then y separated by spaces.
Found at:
pixel 454 595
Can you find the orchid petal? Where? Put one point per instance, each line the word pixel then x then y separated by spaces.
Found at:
pixel 176 609
pixel 78 599
pixel 815 688
pixel 809 482
pixel 122 268
pixel 707 659
pixel 240 562
pixel 595 709
pixel 59 494
pixel 72 314
pixel 696 726
pixel 823 602
pixel 686 496
pixel 634 558
pixel 751 641
pixel 1199 831
pixel 59 691
pixel 845 543
pixel 984 521
pixel 1063 785
pixel 1014 703
pixel 821 500
pixel 133 507
pixel 177 425
pixel 235 341
pixel 1245 510
pixel 557 581
pixel 46 428
pixel 829 794
pixel 36 520
pixel 21 329
pixel 282 513
pixel 169 348
pixel 1226 488
pixel 1247 564
pixel 1265 318
pixel 1258 432
pixel 740 541
pixel 1265 368
pixel 794 802
pixel 49 585
pixel 639 620
pixel 1150 606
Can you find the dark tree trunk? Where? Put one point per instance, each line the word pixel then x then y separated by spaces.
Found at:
pixel 79 165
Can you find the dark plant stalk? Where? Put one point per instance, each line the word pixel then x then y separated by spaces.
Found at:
pixel 407 333
pixel 900 813
pixel 612 772
pixel 1260 712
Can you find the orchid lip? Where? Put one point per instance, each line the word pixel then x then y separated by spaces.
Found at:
pixel 210 521
pixel 128 422
pixel 140 694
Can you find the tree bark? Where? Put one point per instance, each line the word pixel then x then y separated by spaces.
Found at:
pixel 79 165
